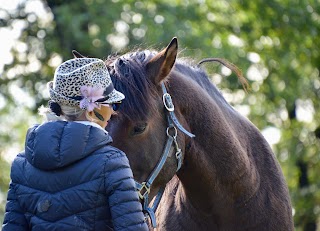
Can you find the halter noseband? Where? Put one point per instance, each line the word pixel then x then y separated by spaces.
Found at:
pixel 144 187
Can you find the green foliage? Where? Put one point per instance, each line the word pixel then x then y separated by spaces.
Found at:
pixel 274 43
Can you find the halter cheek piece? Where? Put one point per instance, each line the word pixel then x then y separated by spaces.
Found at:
pixel 144 187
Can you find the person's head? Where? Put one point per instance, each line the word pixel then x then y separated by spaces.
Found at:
pixel 82 90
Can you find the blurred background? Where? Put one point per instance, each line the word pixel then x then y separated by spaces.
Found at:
pixel 275 43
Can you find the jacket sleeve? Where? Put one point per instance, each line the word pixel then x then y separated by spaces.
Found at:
pixel 14 218
pixel 125 207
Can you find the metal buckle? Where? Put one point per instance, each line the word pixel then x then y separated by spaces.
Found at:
pixel 143 187
pixel 167 101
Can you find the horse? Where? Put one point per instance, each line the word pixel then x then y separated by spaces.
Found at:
pixel 213 167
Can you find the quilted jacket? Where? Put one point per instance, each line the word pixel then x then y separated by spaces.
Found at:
pixel 70 178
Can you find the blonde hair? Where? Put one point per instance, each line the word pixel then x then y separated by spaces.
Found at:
pixel 69 113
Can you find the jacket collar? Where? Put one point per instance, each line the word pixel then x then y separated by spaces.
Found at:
pixel 89 123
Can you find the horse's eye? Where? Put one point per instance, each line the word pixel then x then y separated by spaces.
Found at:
pixel 139 128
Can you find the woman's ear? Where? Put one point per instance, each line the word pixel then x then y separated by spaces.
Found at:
pixel 159 67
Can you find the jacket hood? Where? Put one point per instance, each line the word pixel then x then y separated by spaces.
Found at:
pixel 57 144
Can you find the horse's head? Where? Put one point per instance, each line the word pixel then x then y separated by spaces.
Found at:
pixel 140 127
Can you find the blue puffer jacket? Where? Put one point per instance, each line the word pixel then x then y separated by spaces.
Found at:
pixel 70 178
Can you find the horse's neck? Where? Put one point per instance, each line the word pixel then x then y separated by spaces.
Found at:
pixel 218 163
pixel 230 179
pixel 175 203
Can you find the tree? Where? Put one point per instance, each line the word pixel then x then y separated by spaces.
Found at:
pixel 273 42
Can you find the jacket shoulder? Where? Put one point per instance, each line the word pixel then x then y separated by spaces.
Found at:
pixel 111 152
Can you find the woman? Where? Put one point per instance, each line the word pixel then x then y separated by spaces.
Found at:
pixel 69 177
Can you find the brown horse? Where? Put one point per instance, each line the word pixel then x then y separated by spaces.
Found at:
pixel 229 178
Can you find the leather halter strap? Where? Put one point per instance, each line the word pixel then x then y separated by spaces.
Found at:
pixel 167 101
pixel 144 187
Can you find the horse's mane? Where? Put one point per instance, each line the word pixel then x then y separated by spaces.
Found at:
pixel 129 77
pixel 189 69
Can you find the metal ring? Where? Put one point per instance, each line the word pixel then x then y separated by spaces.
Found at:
pixel 175 132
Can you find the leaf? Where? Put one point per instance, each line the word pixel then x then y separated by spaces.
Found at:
pixel 98 115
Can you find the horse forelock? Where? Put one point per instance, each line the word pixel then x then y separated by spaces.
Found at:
pixel 129 76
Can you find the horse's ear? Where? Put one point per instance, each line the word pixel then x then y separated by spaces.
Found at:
pixel 160 66
pixel 76 54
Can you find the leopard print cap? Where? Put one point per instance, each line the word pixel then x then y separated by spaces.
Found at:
pixel 73 74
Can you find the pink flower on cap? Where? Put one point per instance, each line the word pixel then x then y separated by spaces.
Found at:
pixel 90 96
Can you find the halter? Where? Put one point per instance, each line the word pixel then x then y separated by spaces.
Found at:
pixel 144 187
